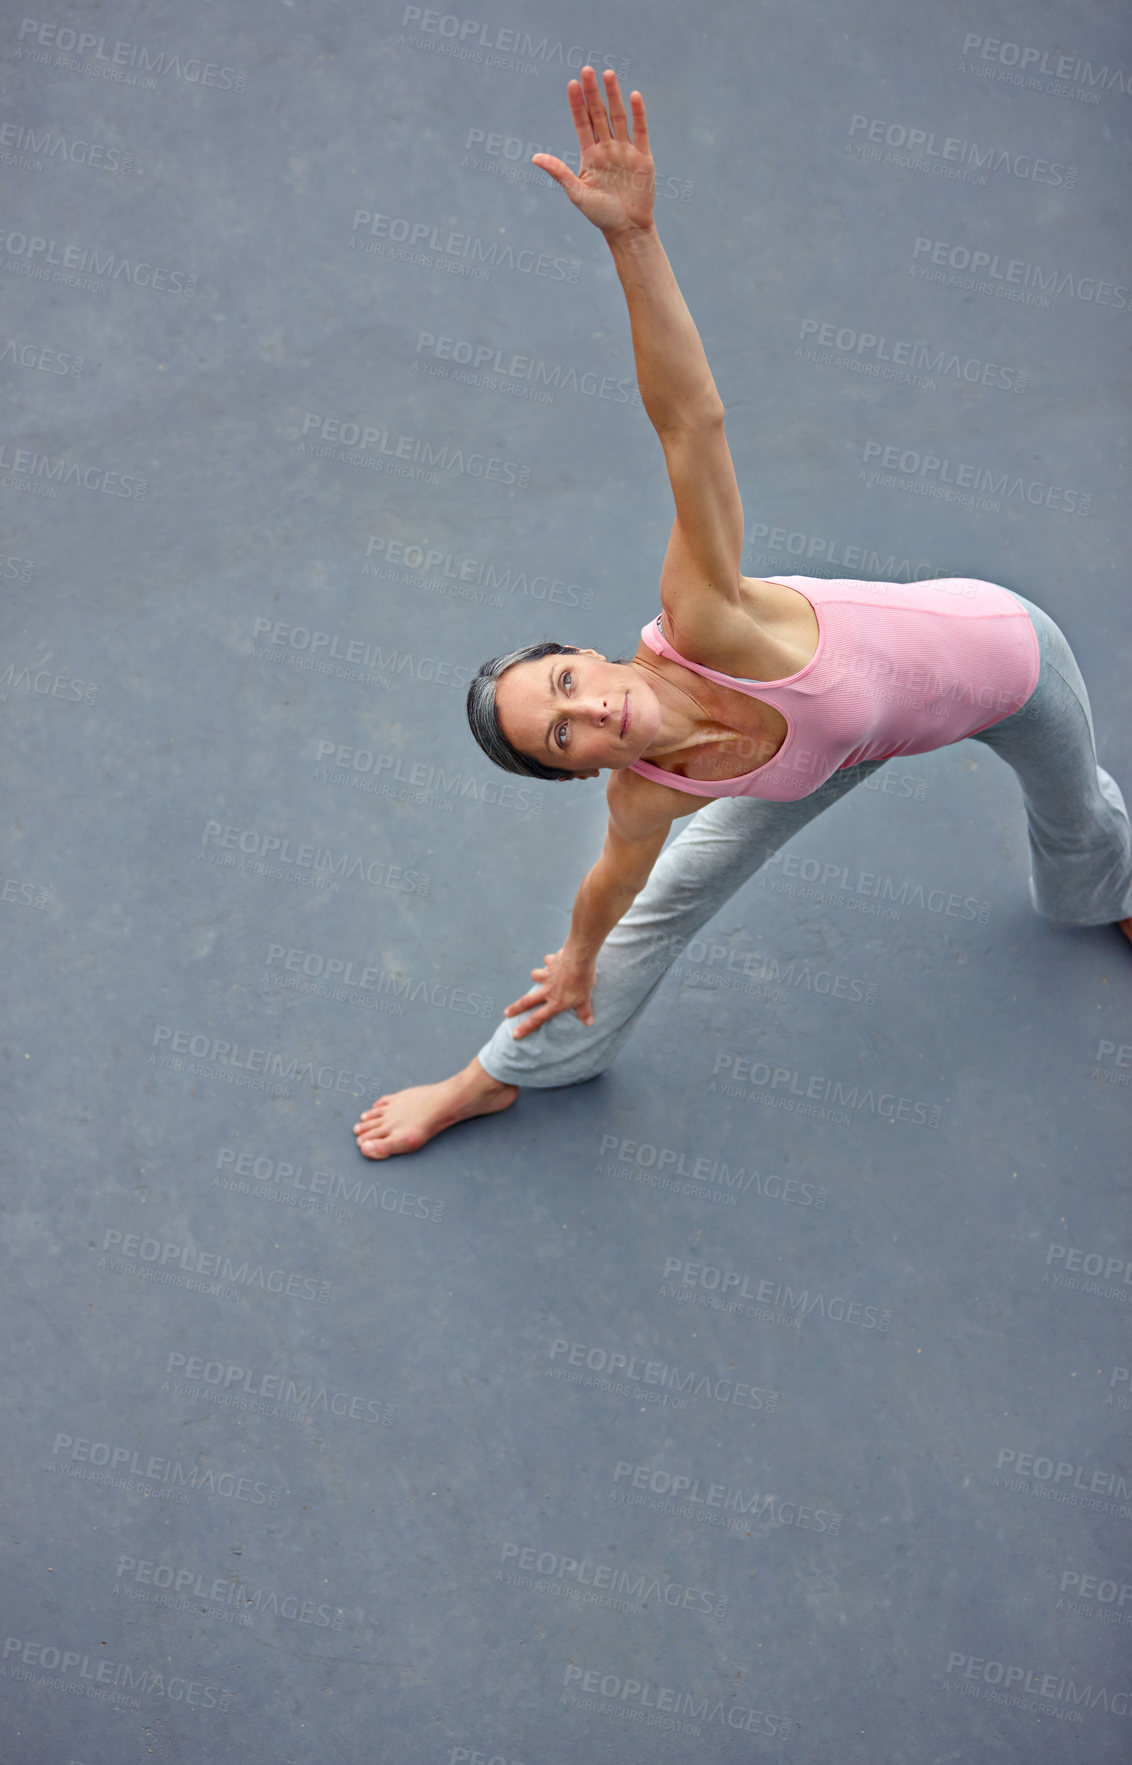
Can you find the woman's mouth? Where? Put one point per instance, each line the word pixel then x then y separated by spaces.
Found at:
pixel 626 717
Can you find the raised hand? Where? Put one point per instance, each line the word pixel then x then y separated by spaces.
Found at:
pixel 562 986
pixel 618 179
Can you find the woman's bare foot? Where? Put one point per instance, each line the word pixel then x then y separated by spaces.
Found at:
pixel 404 1120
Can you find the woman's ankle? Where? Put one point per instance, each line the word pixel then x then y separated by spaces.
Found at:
pixel 479 1076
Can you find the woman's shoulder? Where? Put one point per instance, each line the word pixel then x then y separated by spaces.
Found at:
pixel 768 631
pixel 710 630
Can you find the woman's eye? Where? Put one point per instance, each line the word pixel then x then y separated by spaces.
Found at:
pixel 567 676
pixel 559 737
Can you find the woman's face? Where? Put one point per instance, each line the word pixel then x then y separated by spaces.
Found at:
pixel 578 713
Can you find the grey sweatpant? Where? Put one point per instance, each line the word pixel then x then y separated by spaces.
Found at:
pixel 1080 848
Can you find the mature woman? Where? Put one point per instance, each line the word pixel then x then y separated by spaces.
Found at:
pixel 751 705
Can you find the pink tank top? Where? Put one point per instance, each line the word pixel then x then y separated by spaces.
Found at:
pixel 900 668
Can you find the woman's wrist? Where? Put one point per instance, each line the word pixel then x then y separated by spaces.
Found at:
pixel 578 956
pixel 631 239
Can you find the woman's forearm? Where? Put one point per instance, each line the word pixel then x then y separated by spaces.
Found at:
pixel 676 382
pixel 598 906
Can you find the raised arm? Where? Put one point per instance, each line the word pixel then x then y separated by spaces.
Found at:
pixel 615 190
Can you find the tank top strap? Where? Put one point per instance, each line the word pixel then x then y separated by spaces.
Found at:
pixel 653 636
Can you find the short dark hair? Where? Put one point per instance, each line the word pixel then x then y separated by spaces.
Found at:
pixel 483 715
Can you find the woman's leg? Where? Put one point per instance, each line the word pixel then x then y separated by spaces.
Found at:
pixel 1080 840
pixel 720 848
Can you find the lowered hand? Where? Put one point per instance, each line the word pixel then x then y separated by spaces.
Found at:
pixel 563 985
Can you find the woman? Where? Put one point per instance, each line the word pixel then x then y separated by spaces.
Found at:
pixel 752 705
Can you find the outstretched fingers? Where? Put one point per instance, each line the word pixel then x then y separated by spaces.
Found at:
pixel 640 126
pixel 616 126
pixel 616 107
pixel 580 113
pixel 594 108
